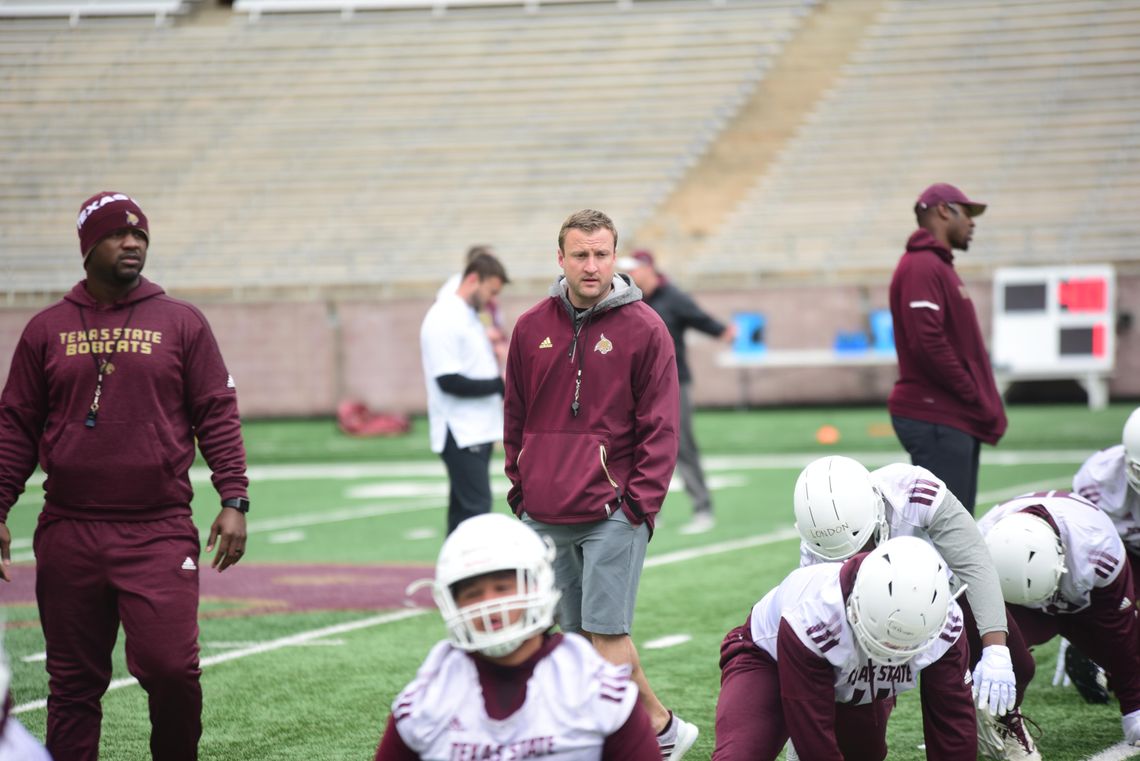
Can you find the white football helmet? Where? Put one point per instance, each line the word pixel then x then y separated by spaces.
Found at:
pixel 838 509
pixel 900 601
pixel 1132 449
pixel 485 544
pixel 1028 556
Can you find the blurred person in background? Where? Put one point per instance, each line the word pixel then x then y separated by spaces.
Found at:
pixel 502 685
pixel 591 442
pixel 680 312
pixel 490 313
pixel 945 402
pixel 464 387
pixel 109 389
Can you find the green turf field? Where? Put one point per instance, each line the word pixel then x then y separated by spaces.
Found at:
pixel 307 682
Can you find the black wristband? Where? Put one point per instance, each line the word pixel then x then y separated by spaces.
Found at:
pixel 241 504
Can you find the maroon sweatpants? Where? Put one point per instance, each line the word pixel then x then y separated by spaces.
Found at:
pixel 750 715
pixel 90 575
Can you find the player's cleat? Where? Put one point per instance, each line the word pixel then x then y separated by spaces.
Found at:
pixel 1005 738
pixel 677 737
pixel 1087 677
pixel 701 523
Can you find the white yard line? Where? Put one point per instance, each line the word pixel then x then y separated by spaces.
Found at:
pixel 300 638
pixel 715 549
pixel 1118 752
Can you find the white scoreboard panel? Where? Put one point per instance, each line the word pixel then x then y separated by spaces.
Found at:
pixel 1050 321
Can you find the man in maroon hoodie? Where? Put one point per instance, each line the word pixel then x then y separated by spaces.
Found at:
pixel 591 411
pixel 108 390
pixel 945 402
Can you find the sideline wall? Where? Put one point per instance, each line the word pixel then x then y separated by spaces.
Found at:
pixel 300 358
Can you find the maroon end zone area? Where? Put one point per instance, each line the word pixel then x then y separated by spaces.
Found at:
pixel 252 589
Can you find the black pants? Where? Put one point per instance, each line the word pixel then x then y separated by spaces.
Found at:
pixel 948 453
pixel 467 470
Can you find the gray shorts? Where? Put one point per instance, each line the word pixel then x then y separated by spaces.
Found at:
pixel 598 568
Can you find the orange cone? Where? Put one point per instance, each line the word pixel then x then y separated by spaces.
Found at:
pixel 827 434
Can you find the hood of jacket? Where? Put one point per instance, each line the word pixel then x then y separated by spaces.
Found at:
pixel 922 240
pixel 146 289
pixel 623 292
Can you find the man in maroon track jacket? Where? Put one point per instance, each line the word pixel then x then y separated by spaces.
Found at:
pixel 108 390
pixel 591 419
pixel 945 402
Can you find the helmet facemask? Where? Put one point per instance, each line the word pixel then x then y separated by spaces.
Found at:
pixel 506 554
pixel 498 626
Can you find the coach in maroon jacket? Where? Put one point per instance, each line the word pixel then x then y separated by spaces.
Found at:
pixel 108 390
pixel 945 402
pixel 590 436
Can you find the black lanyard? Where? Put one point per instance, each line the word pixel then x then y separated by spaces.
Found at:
pixel 102 366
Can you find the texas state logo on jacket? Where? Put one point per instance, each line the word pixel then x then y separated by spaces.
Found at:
pixel 1094 553
pixel 811 601
pixel 574 700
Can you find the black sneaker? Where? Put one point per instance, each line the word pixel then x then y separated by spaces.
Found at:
pixel 1087 677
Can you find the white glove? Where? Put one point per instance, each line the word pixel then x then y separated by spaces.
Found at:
pixel 994 683
pixel 1131 724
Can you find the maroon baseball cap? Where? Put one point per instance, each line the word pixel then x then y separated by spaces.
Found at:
pixel 636 259
pixel 942 192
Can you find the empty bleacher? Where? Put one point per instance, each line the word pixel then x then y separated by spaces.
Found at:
pixel 1032 106
pixel 306 150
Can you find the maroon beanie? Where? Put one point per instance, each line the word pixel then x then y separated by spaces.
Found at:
pixel 104 213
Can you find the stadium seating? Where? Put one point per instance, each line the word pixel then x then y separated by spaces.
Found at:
pixel 304 150
pixel 1033 107
pixel 75 10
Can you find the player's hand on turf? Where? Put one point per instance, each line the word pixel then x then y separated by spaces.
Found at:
pixel 229 533
pixel 5 552
pixel 1131 722
pixel 994 683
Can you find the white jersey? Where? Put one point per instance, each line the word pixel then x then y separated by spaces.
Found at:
pixel 811 601
pixel 1102 480
pixel 1094 554
pixel 17 744
pixel 574 700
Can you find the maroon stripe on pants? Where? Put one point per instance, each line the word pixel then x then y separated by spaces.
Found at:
pixel 92 575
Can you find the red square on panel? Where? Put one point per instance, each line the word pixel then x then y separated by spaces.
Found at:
pixel 1083 295
pixel 1098 334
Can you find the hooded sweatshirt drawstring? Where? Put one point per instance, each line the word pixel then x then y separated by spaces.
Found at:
pixel 575 406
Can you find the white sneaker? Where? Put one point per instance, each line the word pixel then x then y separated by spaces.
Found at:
pixel 1005 738
pixel 701 523
pixel 678 739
